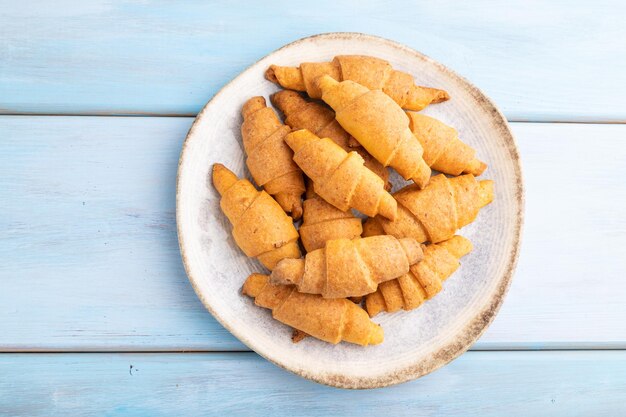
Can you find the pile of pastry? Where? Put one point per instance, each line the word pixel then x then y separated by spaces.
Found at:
pixel 357 118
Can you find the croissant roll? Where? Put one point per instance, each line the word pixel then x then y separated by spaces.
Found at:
pixel 435 213
pixel 330 320
pixel 373 73
pixel 270 160
pixel 379 125
pixel 349 268
pixel 340 177
pixel 260 226
pixel 319 119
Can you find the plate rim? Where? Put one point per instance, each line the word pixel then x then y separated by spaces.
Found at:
pixel 467 336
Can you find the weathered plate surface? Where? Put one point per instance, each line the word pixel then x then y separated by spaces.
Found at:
pixel 416 342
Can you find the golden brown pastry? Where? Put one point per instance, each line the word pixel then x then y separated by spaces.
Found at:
pixel 424 280
pixel 349 268
pixel 270 160
pixel 330 320
pixel 323 221
pixel 320 120
pixel 443 150
pixel 339 177
pixel 260 226
pixel 373 73
pixel 435 213
pixel 380 126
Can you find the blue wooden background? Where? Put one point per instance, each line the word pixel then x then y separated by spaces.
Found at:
pixel 96 314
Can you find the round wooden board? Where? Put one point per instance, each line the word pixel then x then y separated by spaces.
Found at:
pixel 416 342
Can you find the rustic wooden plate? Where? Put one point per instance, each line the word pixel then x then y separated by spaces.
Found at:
pixel 416 342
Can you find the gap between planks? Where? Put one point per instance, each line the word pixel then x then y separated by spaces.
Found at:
pixel 186 115
pixel 573 348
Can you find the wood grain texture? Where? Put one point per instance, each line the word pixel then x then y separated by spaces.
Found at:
pixel 243 384
pixel 540 61
pixel 91 259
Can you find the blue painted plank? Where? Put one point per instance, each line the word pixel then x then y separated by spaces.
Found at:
pixel 540 61
pixel 91 261
pixel 477 384
pixel 89 213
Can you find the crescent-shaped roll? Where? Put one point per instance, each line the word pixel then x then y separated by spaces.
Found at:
pixel 374 73
pixel 330 320
pixel 261 228
pixel 424 280
pixel 443 150
pixel 270 160
pixel 435 213
pixel 349 268
pixel 380 126
pixel 340 177
pixel 319 119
